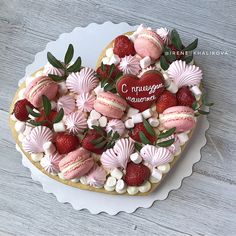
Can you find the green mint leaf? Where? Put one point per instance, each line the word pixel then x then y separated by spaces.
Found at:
pixel 98 129
pixel 167 133
pixel 31 112
pixel 69 54
pixel 104 82
pixel 59 116
pixel 109 87
pixel 46 105
pixel 203 112
pixel 175 39
pixel 112 68
pixel 76 67
pixel 143 138
pixel 188 58
pixel 138 146
pixel 169 56
pixel 54 62
pixel 115 136
pixel 119 74
pixel 56 78
pixel 97 140
pixel 103 67
pixel 149 128
pixel 209 104
pixel 101 145
pixel 191 46
pixel 36 123
pixel 164 63
pixel 195 106
pixel 166 143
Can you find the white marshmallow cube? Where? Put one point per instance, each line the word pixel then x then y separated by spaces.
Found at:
pixel 183 138
pixel 136 158
pixel 145 62
pixel 108 188
pixel 20 126
pixel 92 122
pixel 76 180
pixel 132 190
pixel 114 60
pixel 156 176
pixel 147 113
pixel 36 157
pixel 53 105
pixel 132 111
pixel 154 122
pixel 164 168
pixel 111 181
pixel 129 124
pixel 120 186
pixel 61 176
pixel 145 187
pixel 103 121
pixel 173 88
pixel 94 115
pixel 137 118
pixel 59 127
pixel 105 60
pixel 62 88
pixel 49 148
pixel 109 52
pixel 116 173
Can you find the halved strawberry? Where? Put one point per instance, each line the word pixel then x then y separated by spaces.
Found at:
pixel 66 142
pixel 48 119
pixel 134 133
pixel 20 110
pixel 166 100
pixel 185 97
pixel 87 142
pixel 136 174
pixel 123 46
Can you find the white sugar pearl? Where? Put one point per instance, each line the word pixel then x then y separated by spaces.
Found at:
pixel 103 121
pixel 145 187
pixel 109 52
pixel 20 126
pixel 76 180
pixel 114 60
pixel 156 176
pixel 21 94
pixel 147 113
pixel 59 127
pixel 172 87
pixel 137 118
pixel 83 180
pixel 53 105
pixel 62 89
pixel 92 122
pixel 111 181
pixel 49 148
pixel 61 176
pixel 36 157
pixel 136 158
pixel 132 190
pixel 129 124
pixel 132 111
pixel 105 60
pixel 94 115
pixel 116 173
pixel 120 186
pixel 164 168
pixel 154 122
pixel 21 137
pixel 145 62
pixel 183 138
pixel 108 188
pixel 98 89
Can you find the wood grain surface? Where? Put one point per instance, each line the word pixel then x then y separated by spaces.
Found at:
pixel 206 202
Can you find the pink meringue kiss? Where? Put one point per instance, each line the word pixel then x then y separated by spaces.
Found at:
pixel 76 164
pixel 85 102
pixel 76 122
pixel 42 85
pixel 96 177
pixel 180 117
pixel 50 163
pixel 164 34
pixel 110 105
pixel 49 69
pixel 130 65
pixel 116 125
pixel 67 103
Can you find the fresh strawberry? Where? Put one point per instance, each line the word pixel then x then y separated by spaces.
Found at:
pixel 123 46
pixel 20 110
pixel 185 97
pixel 134 134
pixel 87 144
pixel 48 119
pixel 166 100
pixel 136 174
pixel 179 54
pixel 66 142
pixel 105 74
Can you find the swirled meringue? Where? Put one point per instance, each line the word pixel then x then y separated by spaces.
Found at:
pixel 184 75
pixel 96 177
pixel 33 143
pixel 76 122
pixel 85 102
pixel 116 126
pixel 129 65
pixel 49 69
pixel 83 81
pixel 164 33
pixel 118 156
pixel 50 163
pixel 67 103
pixel 156 156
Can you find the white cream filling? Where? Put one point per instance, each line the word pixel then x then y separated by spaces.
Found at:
pixel 111 103
pixel 176 116
pixel 77 163
pixel 34 89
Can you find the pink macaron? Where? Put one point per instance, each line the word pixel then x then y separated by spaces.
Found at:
pixel 180 117
pixel 149 43
pixel 110 105
pixel 76 164
pixel 42 85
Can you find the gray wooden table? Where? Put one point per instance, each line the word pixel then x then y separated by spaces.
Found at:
pixel 206 202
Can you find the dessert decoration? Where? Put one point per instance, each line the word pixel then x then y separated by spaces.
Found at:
pixel 116 129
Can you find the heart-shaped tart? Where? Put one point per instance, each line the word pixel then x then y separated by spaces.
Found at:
pixel 116 130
